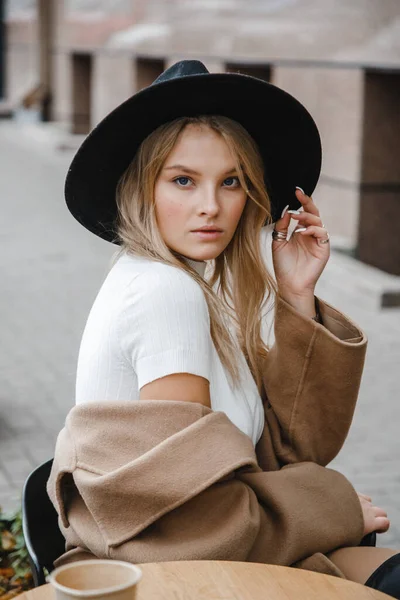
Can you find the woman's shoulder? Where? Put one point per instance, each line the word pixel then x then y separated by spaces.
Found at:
pixel 148 272
pixel 157 282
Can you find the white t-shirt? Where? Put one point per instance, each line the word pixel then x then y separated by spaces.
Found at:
pixel 150 320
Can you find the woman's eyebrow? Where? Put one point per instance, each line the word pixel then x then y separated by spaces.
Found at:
pixel 193 172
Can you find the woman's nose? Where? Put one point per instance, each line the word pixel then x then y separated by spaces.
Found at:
pixel 208 203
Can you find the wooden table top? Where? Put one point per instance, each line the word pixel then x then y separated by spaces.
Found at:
pixel 220 580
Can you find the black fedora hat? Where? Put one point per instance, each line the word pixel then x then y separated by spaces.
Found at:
pixel 283 129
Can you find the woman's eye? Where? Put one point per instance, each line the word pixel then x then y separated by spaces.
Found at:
pixel 232 182
pixel 182 181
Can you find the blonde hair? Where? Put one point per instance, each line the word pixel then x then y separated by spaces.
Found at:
pixel 244 283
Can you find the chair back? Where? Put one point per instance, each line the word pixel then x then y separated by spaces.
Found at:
pixel 43 538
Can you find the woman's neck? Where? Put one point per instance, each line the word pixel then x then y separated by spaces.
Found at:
pixel 198 265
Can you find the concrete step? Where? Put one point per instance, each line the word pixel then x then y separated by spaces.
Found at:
pixel 346 277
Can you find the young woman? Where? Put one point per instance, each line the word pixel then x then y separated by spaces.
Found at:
pixel 191 438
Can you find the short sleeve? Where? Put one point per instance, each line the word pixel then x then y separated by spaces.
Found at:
pixel 164 325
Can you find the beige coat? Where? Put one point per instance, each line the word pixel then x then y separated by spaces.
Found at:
pixel 167 480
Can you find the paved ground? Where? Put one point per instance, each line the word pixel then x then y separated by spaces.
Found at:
pixel 51 270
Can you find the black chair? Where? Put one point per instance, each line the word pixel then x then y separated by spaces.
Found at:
pixel 43 538
pixel 369 539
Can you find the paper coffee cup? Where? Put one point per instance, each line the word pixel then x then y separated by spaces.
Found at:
pixel 96 579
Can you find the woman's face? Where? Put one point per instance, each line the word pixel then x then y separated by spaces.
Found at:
pixel 198 186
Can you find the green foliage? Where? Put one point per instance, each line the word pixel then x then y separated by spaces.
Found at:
pixel 15 572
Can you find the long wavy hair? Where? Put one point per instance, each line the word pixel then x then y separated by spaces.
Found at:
pixel 240 285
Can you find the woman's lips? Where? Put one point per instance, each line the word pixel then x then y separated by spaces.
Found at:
pixel 207 235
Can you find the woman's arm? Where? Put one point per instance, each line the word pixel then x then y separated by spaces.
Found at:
pixel 178 386
pixel 313 371
pixel 311 381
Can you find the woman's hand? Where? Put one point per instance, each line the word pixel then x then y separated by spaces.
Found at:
pixel 375 518
pixel 299 262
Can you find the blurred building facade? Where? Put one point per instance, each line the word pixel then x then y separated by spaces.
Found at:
pixel 340 59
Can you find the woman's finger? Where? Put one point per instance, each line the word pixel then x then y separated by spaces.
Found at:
pixel 306 218
pixel 379 512
pixel 365 497
pixel 307 202
pixel 382 524
pixel 282 224
pixel 319 233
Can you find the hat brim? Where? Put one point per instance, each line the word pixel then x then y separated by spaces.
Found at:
pixel 283 129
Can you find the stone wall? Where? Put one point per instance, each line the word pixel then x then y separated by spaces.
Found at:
pixel 378 229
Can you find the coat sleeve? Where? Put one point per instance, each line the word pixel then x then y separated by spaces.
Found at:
pixel 178 493
pixel 311 379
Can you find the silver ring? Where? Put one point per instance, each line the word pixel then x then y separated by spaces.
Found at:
pixel 279 236
pixel 325 241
